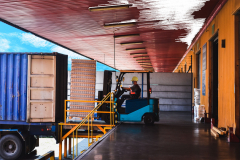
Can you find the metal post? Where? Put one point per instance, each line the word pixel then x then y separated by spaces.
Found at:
pixel 65 111
pixel 65 148
pixel 60 144
pixel 191 88
pixel 142 85
pixel 112 101
pixel 191 65
pixel 88 131
pixel 148 86
pixel 76 142
pixel 73 146
pixel 110 110
pixel 114 50
pixel 60 150
pixel 69 145
pixel 92 127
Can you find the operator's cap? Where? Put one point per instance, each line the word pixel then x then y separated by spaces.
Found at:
pixel 134 78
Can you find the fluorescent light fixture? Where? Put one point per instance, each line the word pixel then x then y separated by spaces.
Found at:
pixel 149 69
pixel 146 65
pixel 143 56
pixel 113 7
pixel 127 35
pixel 119 24
pixel 144 53
pixel 147 62
pixel 142 60
pixel 141 42
pixel 133 49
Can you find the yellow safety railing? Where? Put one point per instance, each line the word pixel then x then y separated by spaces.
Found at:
pixel 87 121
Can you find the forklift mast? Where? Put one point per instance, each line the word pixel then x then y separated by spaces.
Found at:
pixel 107 84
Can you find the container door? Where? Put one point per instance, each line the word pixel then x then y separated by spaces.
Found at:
pixel 41 88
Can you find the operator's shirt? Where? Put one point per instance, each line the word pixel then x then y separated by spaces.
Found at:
pixel 135 91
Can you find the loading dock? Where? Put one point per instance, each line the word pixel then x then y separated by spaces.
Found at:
pixel 137 41
pixel 174 137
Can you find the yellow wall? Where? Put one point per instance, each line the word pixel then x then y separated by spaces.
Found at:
pixel 224 22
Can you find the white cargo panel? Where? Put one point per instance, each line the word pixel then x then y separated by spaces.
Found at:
pixel 41 88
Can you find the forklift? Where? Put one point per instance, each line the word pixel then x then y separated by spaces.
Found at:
pixel 136 110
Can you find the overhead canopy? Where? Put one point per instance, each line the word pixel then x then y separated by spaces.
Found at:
pixel 157 28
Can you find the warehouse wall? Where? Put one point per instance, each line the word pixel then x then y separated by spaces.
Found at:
pixel 223 23
pixel 173 90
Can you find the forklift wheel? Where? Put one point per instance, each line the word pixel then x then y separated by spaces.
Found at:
pixel 148 119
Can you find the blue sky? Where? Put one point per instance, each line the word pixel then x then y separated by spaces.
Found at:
pixel 15 40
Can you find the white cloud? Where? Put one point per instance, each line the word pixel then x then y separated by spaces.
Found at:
pixel 172 14
pixel 28 38
pixel 18 49
pixel 34 40
pixel 37 42
pixel 4 45
pixel 71 55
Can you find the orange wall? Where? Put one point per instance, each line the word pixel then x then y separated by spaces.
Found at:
pixel 224 22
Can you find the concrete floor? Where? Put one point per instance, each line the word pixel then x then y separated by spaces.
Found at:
pixel 174 137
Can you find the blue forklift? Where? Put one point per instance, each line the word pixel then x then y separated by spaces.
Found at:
pixel 136 110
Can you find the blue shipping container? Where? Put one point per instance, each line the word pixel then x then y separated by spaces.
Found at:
pixel 13 86
pixel 14 83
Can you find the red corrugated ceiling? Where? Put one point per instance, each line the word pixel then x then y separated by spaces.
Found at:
pixel 71 24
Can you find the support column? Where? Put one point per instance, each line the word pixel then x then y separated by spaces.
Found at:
pixel 60 144
pixel 142 85
pixel 60 150
pixel 65 148
pixel 69 145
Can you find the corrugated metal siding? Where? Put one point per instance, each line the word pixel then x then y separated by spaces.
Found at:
pixel 13 86
pixel 224 22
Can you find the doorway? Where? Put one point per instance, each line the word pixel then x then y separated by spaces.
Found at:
pixel 237 73
pixel 214 77
pixel 198 62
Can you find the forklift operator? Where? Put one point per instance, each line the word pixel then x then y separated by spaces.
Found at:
pixel 135 91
